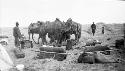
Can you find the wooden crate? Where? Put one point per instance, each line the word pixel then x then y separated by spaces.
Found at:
pixel 53 49
pixel 54 55
pixel 96 48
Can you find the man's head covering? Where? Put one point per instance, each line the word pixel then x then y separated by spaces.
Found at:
pixel 57 19
pixel 17 23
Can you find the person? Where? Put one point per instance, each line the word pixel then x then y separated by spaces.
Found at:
pixel 102 30
pixel 17 34
pixel 93 27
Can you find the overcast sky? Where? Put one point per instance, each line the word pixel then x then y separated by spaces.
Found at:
pixel 81 11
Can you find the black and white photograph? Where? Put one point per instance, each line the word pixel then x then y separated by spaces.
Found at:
pixel 62 35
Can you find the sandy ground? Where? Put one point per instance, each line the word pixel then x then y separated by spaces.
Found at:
pixel 70 63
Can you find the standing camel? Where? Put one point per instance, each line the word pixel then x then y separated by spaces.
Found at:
pixel 34 28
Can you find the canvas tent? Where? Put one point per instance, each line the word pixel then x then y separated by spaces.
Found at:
pixel 5 61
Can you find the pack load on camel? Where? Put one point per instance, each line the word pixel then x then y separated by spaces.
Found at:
pixel 53 29
pixel 75 28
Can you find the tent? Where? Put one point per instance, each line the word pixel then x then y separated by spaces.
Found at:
pixel 5 61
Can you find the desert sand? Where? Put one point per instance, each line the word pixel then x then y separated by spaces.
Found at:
pixel 112 32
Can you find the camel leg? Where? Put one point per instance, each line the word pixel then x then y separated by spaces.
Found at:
pixel 59 42
pixel 79 36
pixel 51 39
pixel 33 38
pixel 29 36
pixel 38 39
pixel 76 36
pixel 45 42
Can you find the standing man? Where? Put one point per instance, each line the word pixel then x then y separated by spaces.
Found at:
pixel 16 34
pixel 93 27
